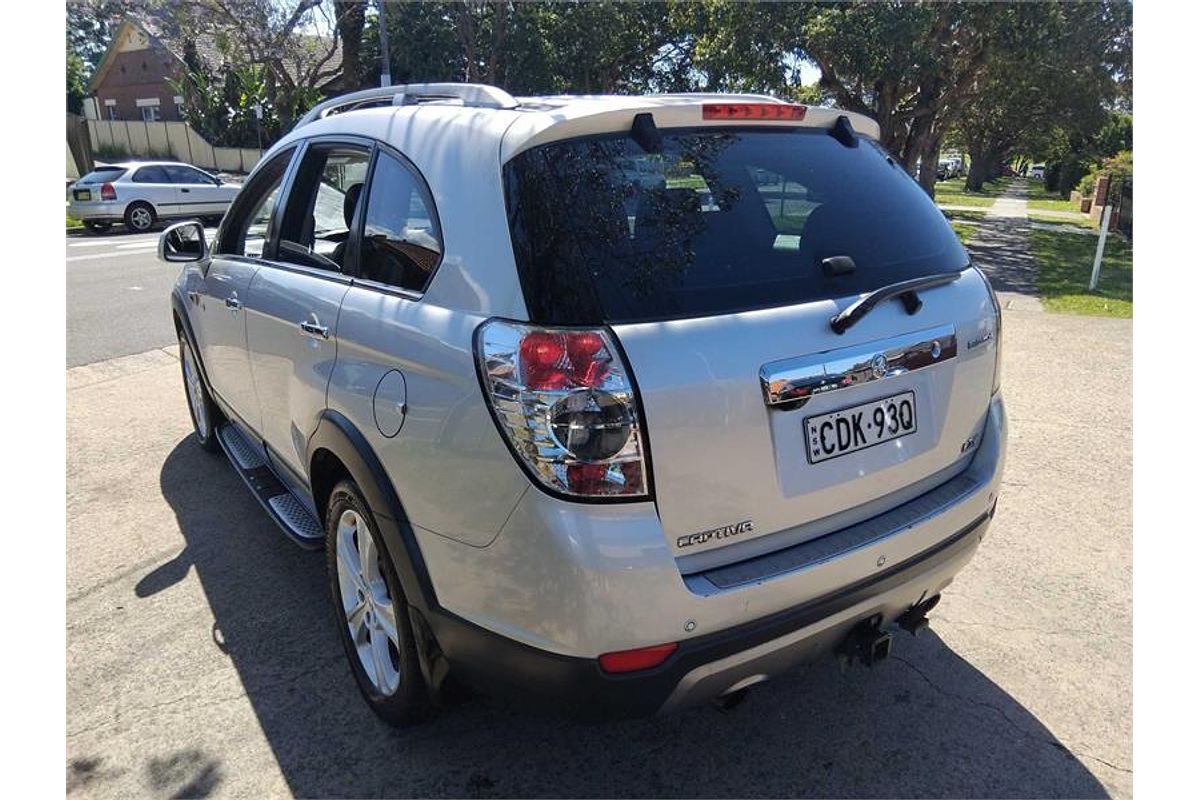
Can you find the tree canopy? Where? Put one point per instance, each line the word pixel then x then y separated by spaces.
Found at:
pixel 999 79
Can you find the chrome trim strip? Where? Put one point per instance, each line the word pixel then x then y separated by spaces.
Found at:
pixel 793 381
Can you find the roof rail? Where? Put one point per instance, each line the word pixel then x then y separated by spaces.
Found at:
pixel 725 97
pixel 475 95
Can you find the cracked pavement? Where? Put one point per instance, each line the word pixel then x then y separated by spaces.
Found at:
pixel 202 658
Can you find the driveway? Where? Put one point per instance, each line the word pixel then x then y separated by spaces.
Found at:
pixel 202 658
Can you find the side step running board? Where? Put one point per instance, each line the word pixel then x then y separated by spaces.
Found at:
pixel 289 514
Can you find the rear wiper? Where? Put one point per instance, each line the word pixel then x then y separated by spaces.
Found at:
pixel 906 291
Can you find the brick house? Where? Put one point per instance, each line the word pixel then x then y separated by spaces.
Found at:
pixel 133 80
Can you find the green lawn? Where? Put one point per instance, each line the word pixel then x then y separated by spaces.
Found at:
pixel 1039 197
pixel 1083 221
pixel 954 193
pixel 964 223
pixel 1064 262
pixel 73 223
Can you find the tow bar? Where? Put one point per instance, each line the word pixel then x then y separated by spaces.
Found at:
pixel 869 644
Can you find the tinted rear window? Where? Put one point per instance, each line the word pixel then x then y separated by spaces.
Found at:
pixel 102 175
pixel 718 222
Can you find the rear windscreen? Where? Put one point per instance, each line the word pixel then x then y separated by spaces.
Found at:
pixel 102 175
pixel 714 222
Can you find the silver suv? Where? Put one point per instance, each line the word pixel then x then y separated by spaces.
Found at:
pixel 611 404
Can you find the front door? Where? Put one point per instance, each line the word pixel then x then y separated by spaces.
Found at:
pixel 219 296
pixel 295 299
pixel 198 193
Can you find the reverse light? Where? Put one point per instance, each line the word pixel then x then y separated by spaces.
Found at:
pixel 107 192
pixel 564 401
pixel 753 111
pixel 633 660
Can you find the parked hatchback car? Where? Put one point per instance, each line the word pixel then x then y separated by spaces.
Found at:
pixel 139 193
pixel 611 404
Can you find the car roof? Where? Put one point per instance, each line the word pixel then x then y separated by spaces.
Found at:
pixel 486 117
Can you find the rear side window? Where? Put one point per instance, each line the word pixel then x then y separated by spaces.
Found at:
pixel 153 174
pixel 101 175
pixel 719 221
pixel 401 242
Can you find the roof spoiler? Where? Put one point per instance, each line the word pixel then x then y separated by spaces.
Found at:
pixel 476 95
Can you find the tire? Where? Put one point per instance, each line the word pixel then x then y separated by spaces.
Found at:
pixel 385 664
pixel 98 227
pixel 200 404
pixel 140 217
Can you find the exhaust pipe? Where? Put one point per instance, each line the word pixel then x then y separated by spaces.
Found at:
pixel 867 642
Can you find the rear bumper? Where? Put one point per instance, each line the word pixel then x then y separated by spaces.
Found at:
pixel 704 667
pixel 529 614
pixel 95 211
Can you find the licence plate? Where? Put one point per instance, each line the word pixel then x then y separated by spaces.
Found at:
pixel 859 427
pixel 83 194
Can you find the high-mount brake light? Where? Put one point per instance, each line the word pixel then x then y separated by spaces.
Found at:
pixel 565 403
pixel 753 111
pixel 107 192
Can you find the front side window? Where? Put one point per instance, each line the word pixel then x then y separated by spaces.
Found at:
pixel 321 204
pixel 182 174
pixel 248 222
pixel 401 243
pixel 717 222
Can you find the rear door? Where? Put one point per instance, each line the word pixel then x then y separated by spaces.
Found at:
pixel 294 300
pixel 715 275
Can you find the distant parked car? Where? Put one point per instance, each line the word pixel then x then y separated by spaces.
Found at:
pixel 943 170
pixel 139 193
pixel 1038 172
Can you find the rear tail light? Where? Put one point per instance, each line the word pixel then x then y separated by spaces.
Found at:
pixel 753 111
pixel 564 401
pixel 107 192
pixel 996 308
pixel 642 658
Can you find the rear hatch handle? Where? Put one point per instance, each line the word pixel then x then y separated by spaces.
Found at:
pixel 906 291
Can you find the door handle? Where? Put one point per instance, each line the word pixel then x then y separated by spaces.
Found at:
pixel 313 329
pixel 185 191
pixel 233 302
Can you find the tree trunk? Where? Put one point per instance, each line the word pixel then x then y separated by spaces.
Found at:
pixel 929 163
pixel 976 172
pixel 350 16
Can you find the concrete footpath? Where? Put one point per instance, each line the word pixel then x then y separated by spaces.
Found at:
pixel 1000 247
pixel 202 657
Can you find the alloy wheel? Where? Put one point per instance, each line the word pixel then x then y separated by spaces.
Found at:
pixel 367 603
pixel 195 390
pixel 141 218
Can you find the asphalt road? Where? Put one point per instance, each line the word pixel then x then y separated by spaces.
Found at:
pixel 117 296
pixel 202 657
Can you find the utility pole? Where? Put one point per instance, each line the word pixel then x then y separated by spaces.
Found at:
pixel 385 58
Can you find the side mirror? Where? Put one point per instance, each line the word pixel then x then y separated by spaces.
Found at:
pixel 183 242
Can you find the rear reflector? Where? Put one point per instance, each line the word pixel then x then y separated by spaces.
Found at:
pixel 753 111
pixel 642 658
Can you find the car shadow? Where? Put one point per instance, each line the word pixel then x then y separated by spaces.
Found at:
pixel 923 723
